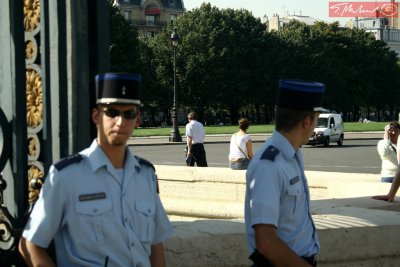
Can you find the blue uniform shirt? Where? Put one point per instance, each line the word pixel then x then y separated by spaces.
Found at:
pixel 277 194
pixel 92 214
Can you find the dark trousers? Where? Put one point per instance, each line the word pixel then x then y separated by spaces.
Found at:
pixel 199 155
pixel 254 265
pixel 260 261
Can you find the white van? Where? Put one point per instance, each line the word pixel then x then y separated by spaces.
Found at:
pixel 329 129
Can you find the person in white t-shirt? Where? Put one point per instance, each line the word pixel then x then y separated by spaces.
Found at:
pixel 195 142
pixel 240 152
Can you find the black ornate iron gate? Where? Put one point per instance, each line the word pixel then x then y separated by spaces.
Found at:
pixel 50 52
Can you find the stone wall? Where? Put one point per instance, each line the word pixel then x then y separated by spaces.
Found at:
pixel 206 208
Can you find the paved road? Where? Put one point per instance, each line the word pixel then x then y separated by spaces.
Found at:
pixel 357 155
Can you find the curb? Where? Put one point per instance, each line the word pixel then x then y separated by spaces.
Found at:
pixel 225 138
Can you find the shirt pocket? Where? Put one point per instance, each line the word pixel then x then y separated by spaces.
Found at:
pixel 92 218
pixel 294 192
pixel 144 220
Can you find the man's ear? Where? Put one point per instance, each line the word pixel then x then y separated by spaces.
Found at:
pixel 138 120
pixel 95 115
pixel 306 122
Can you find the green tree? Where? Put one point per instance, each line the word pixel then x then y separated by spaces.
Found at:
pixel 155 95
pixel 129 53
pixel 227 61
pixel 157 55
pixel 351 62
pixel 124 44
pixel 216 59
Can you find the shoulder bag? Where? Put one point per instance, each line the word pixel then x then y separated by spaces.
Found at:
pixel 241 150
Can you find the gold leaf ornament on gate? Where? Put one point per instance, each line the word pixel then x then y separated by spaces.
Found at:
pixel 31 14
pixel 34 172
pixel 29 49
pixel 34 103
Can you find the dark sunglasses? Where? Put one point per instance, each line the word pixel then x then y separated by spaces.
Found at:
pixel 128 114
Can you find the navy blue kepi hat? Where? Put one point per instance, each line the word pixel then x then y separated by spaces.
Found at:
pixel 118 88
pixel 301 95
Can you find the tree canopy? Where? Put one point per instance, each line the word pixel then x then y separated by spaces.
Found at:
pixel 124 43
pixel 226 60
pixel 354 65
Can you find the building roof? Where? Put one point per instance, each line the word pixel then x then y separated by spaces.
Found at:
pixel 165 3
pixel 306 19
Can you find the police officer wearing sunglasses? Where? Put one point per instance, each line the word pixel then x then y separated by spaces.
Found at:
pixel 279 226
pixel 101 206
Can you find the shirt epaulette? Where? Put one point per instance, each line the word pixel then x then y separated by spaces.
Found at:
pixel 148 163
pixel 62 163
pixel 145 162
pixel 270 153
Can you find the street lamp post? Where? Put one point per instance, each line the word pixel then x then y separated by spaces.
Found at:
pixel 175 135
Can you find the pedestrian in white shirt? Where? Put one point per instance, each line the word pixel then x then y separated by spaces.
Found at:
pixel 195 142
pixel 240 149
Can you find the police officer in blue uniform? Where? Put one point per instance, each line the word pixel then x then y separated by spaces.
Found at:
pixel 279 227
pixel 101 206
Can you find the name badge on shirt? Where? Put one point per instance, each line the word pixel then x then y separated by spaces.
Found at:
pixel 94 196
pixel 294 180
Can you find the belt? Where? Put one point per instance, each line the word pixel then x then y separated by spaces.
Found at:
pixel 311 260
pixel 260 261
pixel 237 160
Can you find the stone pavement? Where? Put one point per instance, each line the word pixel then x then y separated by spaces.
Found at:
pixel 225 138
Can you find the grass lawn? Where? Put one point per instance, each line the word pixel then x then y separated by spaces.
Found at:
pixel 255 129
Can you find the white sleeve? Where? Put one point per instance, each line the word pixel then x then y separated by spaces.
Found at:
pixel 398 152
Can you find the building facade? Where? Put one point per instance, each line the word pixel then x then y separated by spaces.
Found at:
pixel 384 29
pixel 276 23
pixel 150 16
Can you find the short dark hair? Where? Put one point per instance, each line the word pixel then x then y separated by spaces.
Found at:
pixel 395 124
pixel 243 124
pixel 192 115
pixel 287 119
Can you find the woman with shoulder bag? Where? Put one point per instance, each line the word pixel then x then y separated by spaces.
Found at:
pixel 240 152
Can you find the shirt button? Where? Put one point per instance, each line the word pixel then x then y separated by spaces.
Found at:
pixel 132 244
pixel 94 210
pixel 126 219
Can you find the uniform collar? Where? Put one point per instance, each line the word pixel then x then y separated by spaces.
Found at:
pixel 97 158
pixel 284 146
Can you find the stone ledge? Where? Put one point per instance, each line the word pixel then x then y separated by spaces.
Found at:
pixel 220 243
pixel 205 242
pixel 351 225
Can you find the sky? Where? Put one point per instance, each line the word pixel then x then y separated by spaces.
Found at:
pixel 318 9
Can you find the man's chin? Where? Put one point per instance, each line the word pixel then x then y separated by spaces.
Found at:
pixel 119 141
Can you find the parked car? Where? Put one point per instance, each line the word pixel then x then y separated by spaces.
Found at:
pixel 329 129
